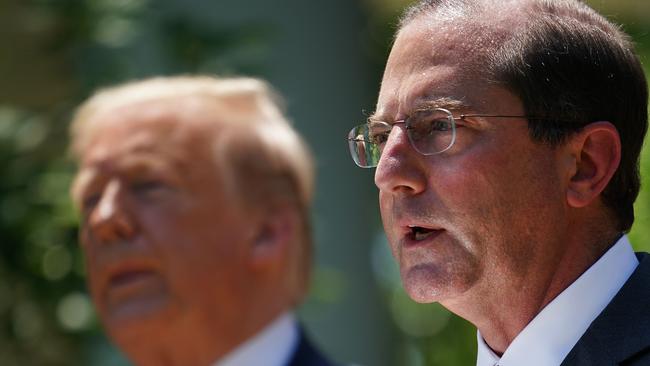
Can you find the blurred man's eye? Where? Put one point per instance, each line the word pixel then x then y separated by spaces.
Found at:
pixel 90 200
pixel 91 194
pixel 149 188
pixel 148 185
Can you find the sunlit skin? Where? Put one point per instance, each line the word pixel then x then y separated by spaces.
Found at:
pixel 169 254
pixel 498 205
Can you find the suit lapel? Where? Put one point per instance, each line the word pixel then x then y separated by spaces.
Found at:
pixel 622 330
pixel 306 354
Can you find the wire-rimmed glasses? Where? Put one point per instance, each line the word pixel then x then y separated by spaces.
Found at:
pixel 430 132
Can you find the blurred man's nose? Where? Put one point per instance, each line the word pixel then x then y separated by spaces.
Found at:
pixel 400 169
pixel 111 220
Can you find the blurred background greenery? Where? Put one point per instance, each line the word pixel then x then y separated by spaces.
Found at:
pixel 325 57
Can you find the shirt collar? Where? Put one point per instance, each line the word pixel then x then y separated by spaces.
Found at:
pixel 273 346
pixel 551 335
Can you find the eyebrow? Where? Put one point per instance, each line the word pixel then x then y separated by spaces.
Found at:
pixel 452 104
pixel 131 167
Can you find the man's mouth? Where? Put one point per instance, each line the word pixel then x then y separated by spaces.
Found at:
pixel 129 277
pixel 419 233
pixel 126 286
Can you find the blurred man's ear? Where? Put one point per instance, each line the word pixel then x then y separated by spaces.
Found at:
pixel 276 230
pixel 597 153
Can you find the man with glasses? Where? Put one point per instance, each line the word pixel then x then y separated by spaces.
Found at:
pixel 506 141
pixel 194 194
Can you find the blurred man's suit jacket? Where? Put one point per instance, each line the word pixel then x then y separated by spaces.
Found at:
pixel 307 355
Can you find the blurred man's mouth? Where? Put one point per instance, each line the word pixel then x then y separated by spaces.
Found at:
pixel 128 285
pixel 131 282
pixel 133 293
pixel 129 278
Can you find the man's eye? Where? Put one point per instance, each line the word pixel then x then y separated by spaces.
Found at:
pixel 150 189
pixel 426 128
pixel 378 132
pixel 148 186
pixel 440 125
pixel 378 138
pixel 89 201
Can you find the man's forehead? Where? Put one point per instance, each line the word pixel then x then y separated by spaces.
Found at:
pixel 136 147
pixel 410 85
pixel 144 138
pixel 469 31
pixel 437 55
pixel 152 120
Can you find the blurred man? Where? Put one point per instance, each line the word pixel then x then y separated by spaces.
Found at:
pixel 195 196
pixel 506 140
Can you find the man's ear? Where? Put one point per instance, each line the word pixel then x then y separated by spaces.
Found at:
pixel 275 231
pixel 597 153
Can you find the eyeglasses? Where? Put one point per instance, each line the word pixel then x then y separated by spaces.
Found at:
pixel 430 132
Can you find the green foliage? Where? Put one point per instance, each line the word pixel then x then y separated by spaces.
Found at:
pixel 39 258
pixel 640 233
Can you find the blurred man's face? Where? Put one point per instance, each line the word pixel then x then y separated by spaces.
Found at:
pixel 164 244
pixel 483 215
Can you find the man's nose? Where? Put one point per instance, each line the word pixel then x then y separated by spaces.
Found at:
pixel 400 169
pixel 112 219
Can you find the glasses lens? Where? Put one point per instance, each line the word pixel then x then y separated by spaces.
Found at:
pixel 366 143
pixel 432 131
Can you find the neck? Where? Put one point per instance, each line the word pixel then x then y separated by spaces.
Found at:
pixel 200 341
pixel 502 308
pixel 181 345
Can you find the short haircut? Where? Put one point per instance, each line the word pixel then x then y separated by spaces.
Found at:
pixel 263 160
pixel 570 66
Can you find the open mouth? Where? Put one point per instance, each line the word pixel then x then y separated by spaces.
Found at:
pixel 419 233
pixel 129 277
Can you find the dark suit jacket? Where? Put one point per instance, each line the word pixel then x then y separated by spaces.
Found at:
pixel 620 335
pixel 307 355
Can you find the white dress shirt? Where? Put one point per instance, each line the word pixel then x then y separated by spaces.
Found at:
pixel 273 346
pixel 551 335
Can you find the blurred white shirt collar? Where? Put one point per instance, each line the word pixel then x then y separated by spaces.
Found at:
pixel 551 335
pixel 273 346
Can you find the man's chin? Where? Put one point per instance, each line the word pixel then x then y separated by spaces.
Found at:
pixel 425 283
pixel 139 316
